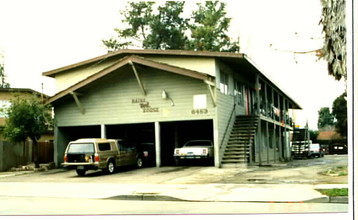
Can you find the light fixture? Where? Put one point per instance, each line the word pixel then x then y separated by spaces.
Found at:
pixel 166 96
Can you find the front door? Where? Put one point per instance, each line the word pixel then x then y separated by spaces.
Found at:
pixel 247 100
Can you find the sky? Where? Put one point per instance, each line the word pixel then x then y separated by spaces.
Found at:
pixel 41 35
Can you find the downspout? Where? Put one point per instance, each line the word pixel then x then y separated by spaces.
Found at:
pixel 257 88
pixel 267 141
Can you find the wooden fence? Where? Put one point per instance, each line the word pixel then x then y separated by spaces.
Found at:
pixel 45 152
pixel 16 154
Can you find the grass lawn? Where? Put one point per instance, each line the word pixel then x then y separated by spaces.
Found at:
pixel 334 192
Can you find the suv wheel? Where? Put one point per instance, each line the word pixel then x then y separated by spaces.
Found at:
pixel 139 162
pixel 110 167
pixel 80 172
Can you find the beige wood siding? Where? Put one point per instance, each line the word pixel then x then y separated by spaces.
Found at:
pixel 224 109
pixel 200 64
pixel 116 100
pixel 68 78
pixel 71 77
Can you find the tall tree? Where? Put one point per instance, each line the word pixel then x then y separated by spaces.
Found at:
pixel 3 83
pixel 210 27
pixel 334 29
pixel 137 17
pixel 168 27
pixel 27 118
pixel 313 135
pixel 339 111
pixel 325 118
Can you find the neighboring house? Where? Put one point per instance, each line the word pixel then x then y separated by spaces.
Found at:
pixel 7 94
pixel 168 97
pixel 332 141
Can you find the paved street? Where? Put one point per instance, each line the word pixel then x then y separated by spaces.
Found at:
pixel 281 188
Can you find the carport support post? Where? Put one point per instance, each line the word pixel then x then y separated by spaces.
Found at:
pixel 157 144
pixel 103 131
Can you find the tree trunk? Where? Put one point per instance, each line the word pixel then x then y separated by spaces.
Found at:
pixel 36 152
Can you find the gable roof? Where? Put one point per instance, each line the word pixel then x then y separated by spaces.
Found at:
pixel 127 52
pixel 129 60
pixel 228 57
pixel 328 135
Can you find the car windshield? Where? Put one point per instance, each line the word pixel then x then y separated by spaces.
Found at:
pixel 198 143
pixel 81 148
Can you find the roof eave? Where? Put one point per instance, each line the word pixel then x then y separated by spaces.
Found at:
pixel 125 52
pixel 296 105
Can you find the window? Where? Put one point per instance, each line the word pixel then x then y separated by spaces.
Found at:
pixel 199 102
pixel 238 92
pixel 4 106
pixel 121 147
pixel 104 146
pixel 81 148
pixel 224 83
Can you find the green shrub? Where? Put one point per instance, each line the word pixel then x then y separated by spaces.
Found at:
pixel 334 192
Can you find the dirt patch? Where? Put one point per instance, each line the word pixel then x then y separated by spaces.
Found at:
pixel 335 171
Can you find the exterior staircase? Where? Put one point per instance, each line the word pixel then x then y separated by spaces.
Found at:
pixel 237 151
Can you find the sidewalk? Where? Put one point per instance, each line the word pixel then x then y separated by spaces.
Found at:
pixel 291 193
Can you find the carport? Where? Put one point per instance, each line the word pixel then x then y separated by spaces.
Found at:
pixel 176 134
pixel 169 135
pixel 70 133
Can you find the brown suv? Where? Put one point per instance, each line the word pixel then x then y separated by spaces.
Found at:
pixel 96 153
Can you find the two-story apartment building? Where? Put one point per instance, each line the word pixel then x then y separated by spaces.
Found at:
pixel 167 97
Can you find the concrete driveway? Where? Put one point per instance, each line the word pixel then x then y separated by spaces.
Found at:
pixel 292 182
pixel 294 172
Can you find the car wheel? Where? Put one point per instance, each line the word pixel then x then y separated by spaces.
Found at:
pixel 110 167
pixel 80 172
pixel 139 162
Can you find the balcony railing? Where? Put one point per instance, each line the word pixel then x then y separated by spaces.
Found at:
pixel 273 113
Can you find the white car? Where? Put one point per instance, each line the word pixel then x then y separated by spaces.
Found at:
pixel 195 150
pixel 316 151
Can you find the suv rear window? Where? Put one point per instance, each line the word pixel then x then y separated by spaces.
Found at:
pixel 81 148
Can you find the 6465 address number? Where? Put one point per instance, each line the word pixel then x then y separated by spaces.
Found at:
pixel 199 111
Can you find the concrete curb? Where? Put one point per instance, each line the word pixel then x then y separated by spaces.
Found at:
pixel 339 199
pixel 147 197
pixel 15 173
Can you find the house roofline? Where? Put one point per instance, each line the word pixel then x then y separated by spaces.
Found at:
pixel 23 90
pixel 126 52
pixel 133 52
